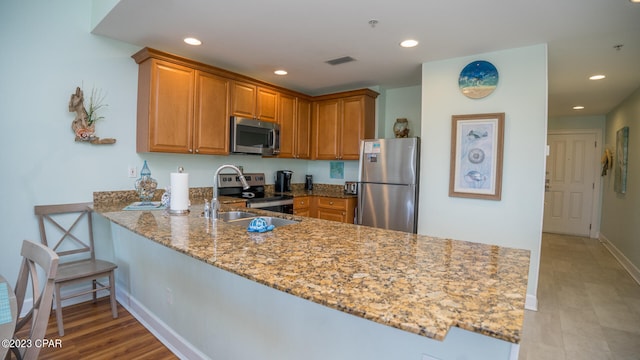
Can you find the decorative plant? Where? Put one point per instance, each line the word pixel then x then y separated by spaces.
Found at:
pixel 95 104
pixel 84 123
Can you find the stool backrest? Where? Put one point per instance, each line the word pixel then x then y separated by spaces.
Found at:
pixel 67 229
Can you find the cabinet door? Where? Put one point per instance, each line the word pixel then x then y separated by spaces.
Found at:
pixel 301 203
pixel 301 206
pixel 352 127
pixel 286 119
pixel 267 104
pixel 171 100
pixel 303 129
pixel 326 126
pixel 212 115
pixel 332 215
pixel 243 99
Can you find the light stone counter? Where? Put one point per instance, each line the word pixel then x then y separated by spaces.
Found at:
pixel 419 284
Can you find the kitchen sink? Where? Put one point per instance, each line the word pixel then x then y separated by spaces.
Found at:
pixel 235 215
pixel 277 222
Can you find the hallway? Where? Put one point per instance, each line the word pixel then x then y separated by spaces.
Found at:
pixel 588 305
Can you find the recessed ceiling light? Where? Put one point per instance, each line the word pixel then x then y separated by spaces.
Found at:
pixel 598 77
pixel 579 107
pixel 192 41
pixel 635 1
pixel 409 43
pixel 280 72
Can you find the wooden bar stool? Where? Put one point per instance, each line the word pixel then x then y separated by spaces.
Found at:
pixel 76 250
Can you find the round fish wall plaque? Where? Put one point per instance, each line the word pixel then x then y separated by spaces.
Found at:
pixel 478 79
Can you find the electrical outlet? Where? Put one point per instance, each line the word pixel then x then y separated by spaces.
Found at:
pixel 169 296
pixel 132 171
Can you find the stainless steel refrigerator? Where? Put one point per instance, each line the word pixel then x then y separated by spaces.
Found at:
pixel 388 183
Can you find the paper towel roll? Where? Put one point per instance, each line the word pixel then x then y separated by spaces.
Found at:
pixel 179 191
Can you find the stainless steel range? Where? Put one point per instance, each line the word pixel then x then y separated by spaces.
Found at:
pixel 230 185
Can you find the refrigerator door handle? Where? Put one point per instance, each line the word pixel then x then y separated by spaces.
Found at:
pixel 358 216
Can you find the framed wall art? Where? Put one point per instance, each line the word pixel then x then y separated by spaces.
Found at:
pixel 476 156
pixel 621 160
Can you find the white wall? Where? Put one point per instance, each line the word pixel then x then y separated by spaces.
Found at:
pixel 47 51
pixel 620 212
pixel 577 122
pixel 516 220
pixel 402 103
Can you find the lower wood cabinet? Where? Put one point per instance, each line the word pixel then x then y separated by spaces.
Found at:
pixel 301 205
pixel 335 209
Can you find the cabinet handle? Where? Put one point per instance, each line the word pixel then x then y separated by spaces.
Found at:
pixel 330 202
pixel 190 150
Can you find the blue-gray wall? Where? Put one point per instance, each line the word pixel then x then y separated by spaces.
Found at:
pixel 515 220
pixel 621 212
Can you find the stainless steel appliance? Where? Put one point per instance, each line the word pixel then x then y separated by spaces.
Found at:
pixel 283 180
pixel 388 183
pixel 350 187
pixel 308 182
pixel 230 185
pixel 251 136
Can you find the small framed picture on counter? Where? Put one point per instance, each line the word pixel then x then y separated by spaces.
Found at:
pixel 476 156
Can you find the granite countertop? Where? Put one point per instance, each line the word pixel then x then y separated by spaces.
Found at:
pixel 325 190
pixel 416 283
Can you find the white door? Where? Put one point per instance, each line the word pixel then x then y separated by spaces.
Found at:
pixel 570 183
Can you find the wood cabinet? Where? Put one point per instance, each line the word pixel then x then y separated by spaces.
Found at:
pixel 335 209
pixel 301 205
pixel 253 101
pixel 184 107
pixel 294 117
pixel 211 135
pixel 340 121
pixel 181 109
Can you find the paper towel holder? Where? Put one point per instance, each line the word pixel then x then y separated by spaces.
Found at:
pixel 174 211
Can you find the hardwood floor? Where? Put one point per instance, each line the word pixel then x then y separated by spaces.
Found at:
pixel 91 333
pixel 588 305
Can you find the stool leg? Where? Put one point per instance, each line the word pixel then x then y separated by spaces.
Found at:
pixel 112 295
pixel 59 311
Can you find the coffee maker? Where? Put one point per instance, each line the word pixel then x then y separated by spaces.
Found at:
pixel 283 180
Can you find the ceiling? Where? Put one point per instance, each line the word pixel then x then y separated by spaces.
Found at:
pixel 256 37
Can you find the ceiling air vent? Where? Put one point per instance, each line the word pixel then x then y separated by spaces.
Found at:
pixel 341 60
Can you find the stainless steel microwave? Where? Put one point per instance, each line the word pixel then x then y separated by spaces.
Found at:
pixel 251 136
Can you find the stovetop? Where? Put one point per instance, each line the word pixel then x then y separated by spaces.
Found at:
pixel 230 185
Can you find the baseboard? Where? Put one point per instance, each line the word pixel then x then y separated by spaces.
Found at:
pixel 531 303
pixel 622 259
pixel 167 336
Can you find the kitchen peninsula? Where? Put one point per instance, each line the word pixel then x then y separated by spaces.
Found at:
pixel 318 289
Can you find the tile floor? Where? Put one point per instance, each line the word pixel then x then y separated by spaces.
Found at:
pixel 588 305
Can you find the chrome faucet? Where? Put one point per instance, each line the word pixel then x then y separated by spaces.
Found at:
pixel 215 206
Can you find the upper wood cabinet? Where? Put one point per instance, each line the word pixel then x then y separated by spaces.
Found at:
pixel 181 109
pixel 184 107
pixel 211 135
pixel 340 121
pixel 294 117
pixel 253 101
